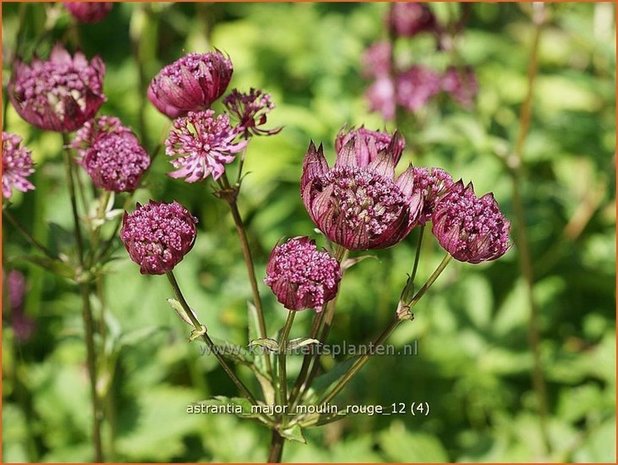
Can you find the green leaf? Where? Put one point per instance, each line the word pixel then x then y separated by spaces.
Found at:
pixel 401 445
pixel 293 433
pixel 267 343
pixel 53 266
pixel 180 311
pixel 294 344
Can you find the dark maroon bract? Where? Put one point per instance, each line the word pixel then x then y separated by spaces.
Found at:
pixel 191 83
pixel 158 235
pixel 358 203
pixel 59 94
pixel 301 276
pixel 469 228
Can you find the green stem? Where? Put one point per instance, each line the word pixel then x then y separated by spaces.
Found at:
pixel 525 257
pixel 417 256
pixel 71 183
pixel 283 347
pixel 36 244
pixel 211 345
pixel 379 340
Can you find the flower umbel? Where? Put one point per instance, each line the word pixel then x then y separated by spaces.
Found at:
pixel 59 94
pixel 158 235
pixel 410 19
pixel 471 229
pixel 431 184
pixel 86 136
pixel 89 12
pixel 301 276
pixel 201 145
pixel 461 85
pixel 191 83
pixel 251 109
pixel 16 165
pixel 358 203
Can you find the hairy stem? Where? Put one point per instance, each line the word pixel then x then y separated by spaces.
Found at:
pixel 525 257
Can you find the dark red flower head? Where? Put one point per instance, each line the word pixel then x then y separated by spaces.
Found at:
pixel 358 203
pixel 59 94
pixel 301 276
pixel 158 235
pixel 191 83
pixel 89 12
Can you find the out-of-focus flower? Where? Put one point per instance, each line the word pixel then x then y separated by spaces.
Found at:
pixel 469 228
pixel 416 86
pixel 59 94
pixel 158 235
pixel 116 163
pixel 16 165
pixel 202 145
pixel 461 85
pixel 86 136
pixel 409 19
pixel 89 12
pixel 381 97
pixel 358 203
pixel 431 184
pixel 191 83
pixel 23 326
pixel 376 60
pixel 251 109
pixel 301 276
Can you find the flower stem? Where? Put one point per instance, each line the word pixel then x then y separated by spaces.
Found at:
pixel 283 345
pixel 36 244
pixel 276 447
pixel 211 345
pixel 246 252
pixel 525 257
pixel 87 317
pixel 379 340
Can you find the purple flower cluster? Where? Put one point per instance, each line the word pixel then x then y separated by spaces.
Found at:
pixel 431 184
pixel 16 165
pixel 23 326
pixel 359 204
pixel 191 83
pixel 414 87
pixel 251 109
pixel 158 235
pixel 59 94
pixel 202 145
pixel 89 12
pixel 470 228
pixel 301 276
pixel 111 154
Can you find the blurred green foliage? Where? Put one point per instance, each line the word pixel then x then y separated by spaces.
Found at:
pixel 474 360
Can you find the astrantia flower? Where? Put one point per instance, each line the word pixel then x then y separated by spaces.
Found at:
pixel 376 60
pixel 409 19
pixel 116 162
pixel 358 204
pixel 202 145
pixel 431 184
pixel 416 86
pixel 59 94
pixel 158 235
pixel 250 110
pixel 381 97
pixel 366 144
pixel 469 228
pixel 86 136
pixel 301 276
pixel 16 165
pixel 461 85
pixel 89 12
pixel 191 83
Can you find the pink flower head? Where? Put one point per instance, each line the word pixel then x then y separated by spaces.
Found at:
pixel 251 110
pixel 301 276
pixel 16 165
pixel 86 136
pixel 376 60
pixel 116 162
pixel 381 97
pixel 59 94
pixel 416 86
pixel 358 203
pixel 367 144
pixel 202 145
pixel 158 235
pixel 89 12
pixel 410 19
pixel 469 228
pixel 191 83
pixel 431 184
pixel 461 84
